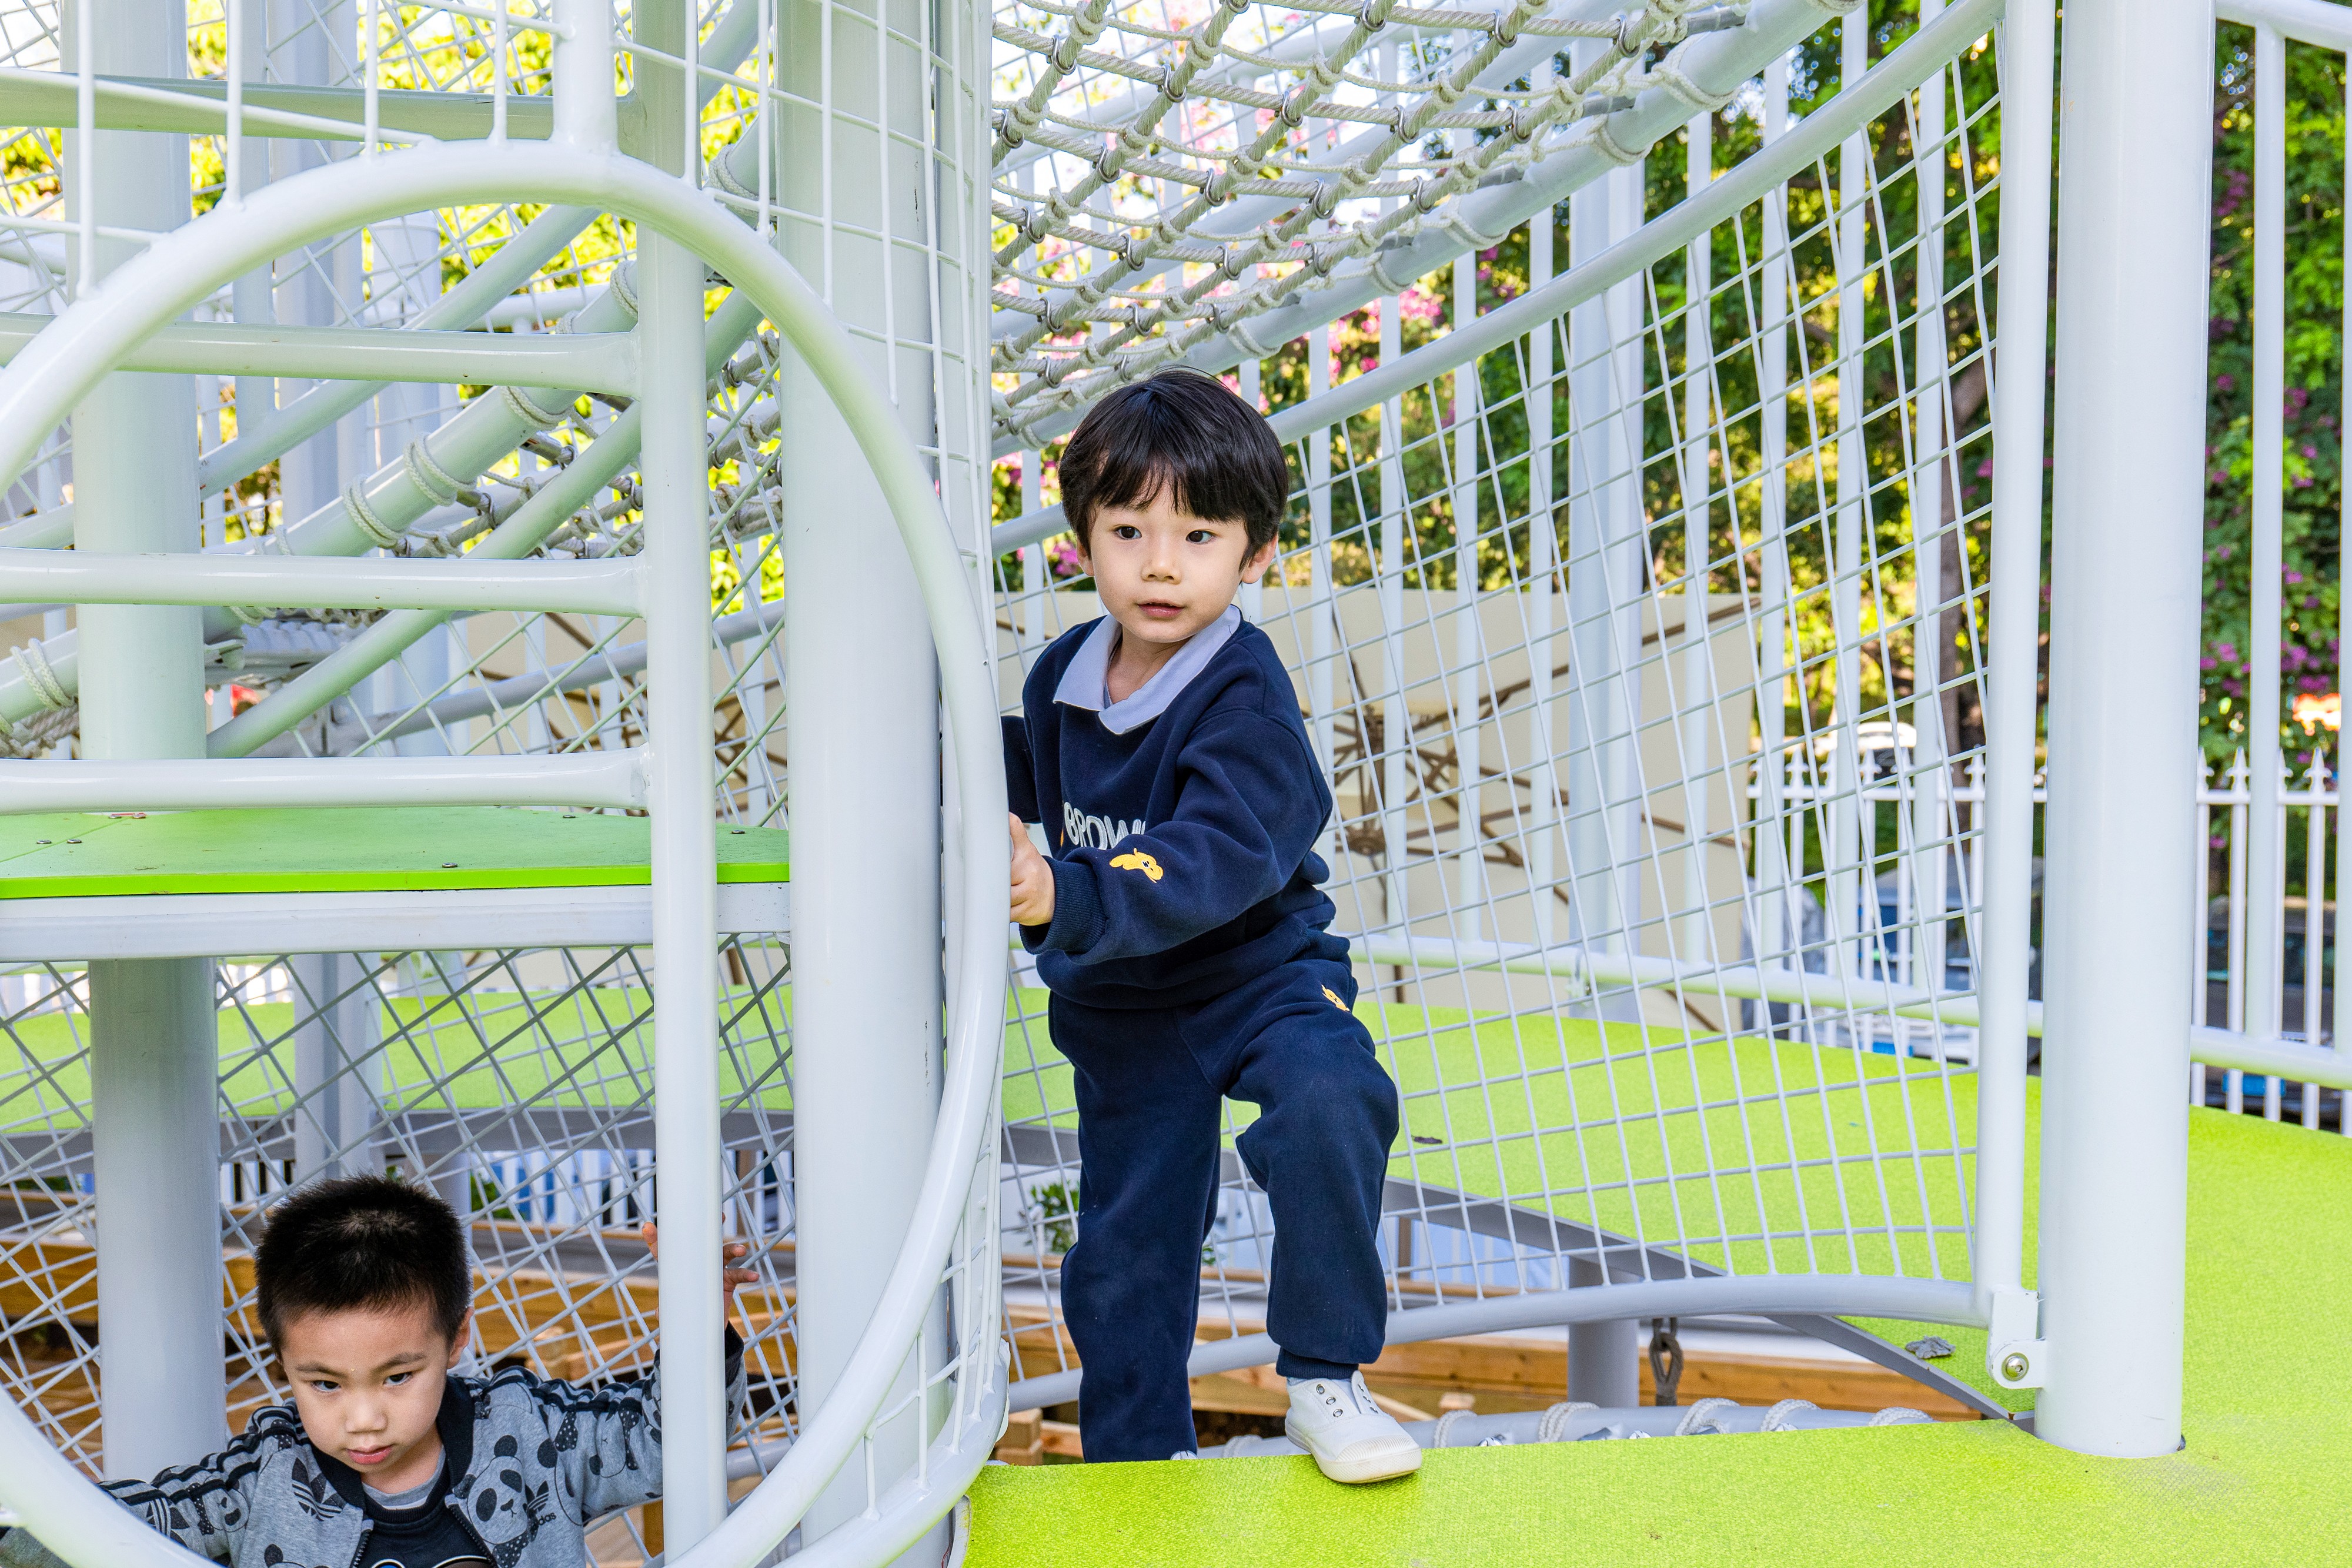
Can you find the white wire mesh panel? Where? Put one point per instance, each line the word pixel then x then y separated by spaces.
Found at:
pixel 1642 644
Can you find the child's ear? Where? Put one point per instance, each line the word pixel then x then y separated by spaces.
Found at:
pixel 457 1336
pixel 1254 564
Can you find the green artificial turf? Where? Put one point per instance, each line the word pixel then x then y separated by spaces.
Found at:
pixel 2260 1482
pixel 348 850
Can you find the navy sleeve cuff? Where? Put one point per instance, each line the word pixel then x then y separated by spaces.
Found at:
pixel 1020 771
pixel 1077 923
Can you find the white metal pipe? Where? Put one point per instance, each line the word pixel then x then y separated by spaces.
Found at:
pixel 1469 661
pixel 155 1052
pixel 2338 1018
pixel 2133 243
pixel 684 877
pixel 1933 823
pixel 1779 929
pixel 587 114
pixel 2012 677
pixel 1543 584
pixel 2321 22
pixel 1860 1295
pixel 2265 841
pixel 1846 843
pixel 600 361
pixel 860 696
pixel 610 778
pixel 457 582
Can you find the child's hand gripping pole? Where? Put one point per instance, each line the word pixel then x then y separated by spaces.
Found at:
pixel 730 1280
pixel 1032 879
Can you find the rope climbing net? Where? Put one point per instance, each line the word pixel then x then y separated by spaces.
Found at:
pixel 1168 175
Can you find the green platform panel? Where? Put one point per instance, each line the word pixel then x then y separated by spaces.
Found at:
pixel 2260 1481
pixel 397 849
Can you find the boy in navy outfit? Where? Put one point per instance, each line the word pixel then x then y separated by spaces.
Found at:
pixel 1181 931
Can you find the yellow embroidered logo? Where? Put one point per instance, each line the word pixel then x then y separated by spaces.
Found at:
pixel 1335 998
pixel 1136 860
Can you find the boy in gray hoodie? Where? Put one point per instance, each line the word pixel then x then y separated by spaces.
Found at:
pixel 386 1458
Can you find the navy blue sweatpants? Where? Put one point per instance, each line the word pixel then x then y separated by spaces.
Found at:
pixel 1148 1085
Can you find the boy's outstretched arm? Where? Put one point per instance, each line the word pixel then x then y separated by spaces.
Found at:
pixel 605 1440
pixel 205 1506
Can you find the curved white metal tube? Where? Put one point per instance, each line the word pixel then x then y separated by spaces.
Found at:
pixel 57 1503
pixel 610 778
pixel 140 297
pixel 461 583
pixel 1911 1301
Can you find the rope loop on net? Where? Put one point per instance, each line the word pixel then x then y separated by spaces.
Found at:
pixel 437 483
pixel 33 660
pixel 525 409
pixel 364 516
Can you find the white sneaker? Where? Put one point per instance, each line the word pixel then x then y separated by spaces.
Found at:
pixel 1353 1439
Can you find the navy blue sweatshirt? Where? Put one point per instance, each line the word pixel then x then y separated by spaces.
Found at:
pixel 1183 851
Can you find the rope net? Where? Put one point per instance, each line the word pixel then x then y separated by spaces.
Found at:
pixel 1641 646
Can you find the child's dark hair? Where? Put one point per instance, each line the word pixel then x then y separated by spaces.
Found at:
pixel 1180 429
pixel 363 1243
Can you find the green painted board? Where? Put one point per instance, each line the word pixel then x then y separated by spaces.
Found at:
pixel 413 849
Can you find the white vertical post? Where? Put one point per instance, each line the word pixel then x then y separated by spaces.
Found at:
pixel 1395 544
pixel 1396 714
pixel 335 1066
pixel 2012 677
pixel 675 473
pixel 1468 666
pixel 861 687
pixel 2315 878
pixel 154 1054
pixel 1543 569
pixel 1605 563
pixel 2336 1017
pixel 1933 821
pixel 1776 869
pixel 2266 838
pixel 1694 943
pixel 305 46
pixel 1322 605
pixel 1846 856
pixel 587 113
pixel 2133 245
pixel 685 872
pixel 1252 598
pixel 1604 597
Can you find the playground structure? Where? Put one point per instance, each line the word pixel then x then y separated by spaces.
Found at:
pixel 1654 598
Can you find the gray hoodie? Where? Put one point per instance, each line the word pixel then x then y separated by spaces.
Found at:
pixel 533 1462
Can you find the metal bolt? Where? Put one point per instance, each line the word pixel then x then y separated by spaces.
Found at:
pixel 2014 1365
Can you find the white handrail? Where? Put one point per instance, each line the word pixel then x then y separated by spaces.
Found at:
pixel 79 577
pixel 608 779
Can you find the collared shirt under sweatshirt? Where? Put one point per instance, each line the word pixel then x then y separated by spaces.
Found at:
pixel 1182 819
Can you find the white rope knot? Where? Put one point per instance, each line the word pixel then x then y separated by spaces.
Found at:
pixel 35 665
pixel 437 483
pixel 530 412
pixel 364 516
